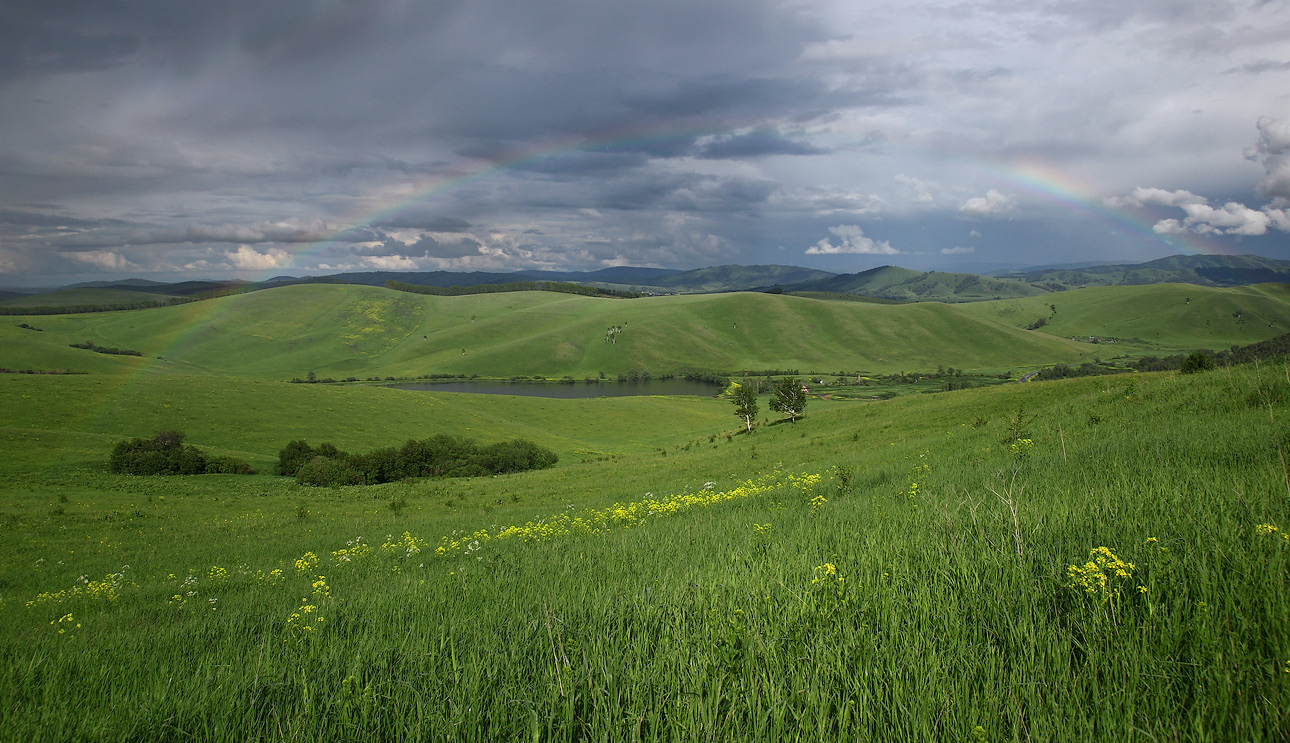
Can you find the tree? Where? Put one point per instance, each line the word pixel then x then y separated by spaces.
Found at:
pixel 745 399
pixel 789 398
pixel 1197 361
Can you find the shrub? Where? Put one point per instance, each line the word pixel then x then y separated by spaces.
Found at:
pixel 518 455
pixel 227 466
pixel 324 472
pixel 167 454
pixel 1197 361
pixel 381 465
pixel 438 456
pixel 292 457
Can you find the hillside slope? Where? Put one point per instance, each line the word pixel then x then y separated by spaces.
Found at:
pixel 1166 317
pixel 360 331
pixel 83 297
pixel 893 282
pixel 1202 270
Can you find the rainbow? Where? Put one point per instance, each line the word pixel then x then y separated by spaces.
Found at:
pixel 1058 188
pixel 1041 180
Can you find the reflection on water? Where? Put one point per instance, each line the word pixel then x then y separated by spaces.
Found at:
pixel 607 388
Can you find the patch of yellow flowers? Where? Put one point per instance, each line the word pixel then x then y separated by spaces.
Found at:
pixel 1100 577
pixel 106 589
pixel 271 578
pixel 306 562
pixel 353 549
pixel 66 624
pixel 1021 448
pixel 405 547
pixel 624 515
pixel 1268 530
pixel 305 620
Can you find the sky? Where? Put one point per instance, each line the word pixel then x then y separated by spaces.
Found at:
pixel 248 139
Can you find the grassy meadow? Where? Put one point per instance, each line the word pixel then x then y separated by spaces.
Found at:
pixel 341 331
pixel 1165 318
pixel 1089 559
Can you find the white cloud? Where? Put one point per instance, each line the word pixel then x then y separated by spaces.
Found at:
pixel 1280 218
pixel 992 204
pixel 1232 218
pixel 957 250
pixel 247 258
pixel 822 201
pixel 106 259
pixel 390 263
pixel 916 189
pixel 1273 151
pixel 853 240
pixel 1142 196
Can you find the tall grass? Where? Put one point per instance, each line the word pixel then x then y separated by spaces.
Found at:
pixel 940 580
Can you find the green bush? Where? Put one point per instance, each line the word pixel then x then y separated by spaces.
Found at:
pixel 324 472
pixel 227 466
pixel 1197 361
pixel 292 457
pixel 167 454
pixel 438 456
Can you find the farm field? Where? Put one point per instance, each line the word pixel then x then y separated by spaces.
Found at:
pixel 1087 559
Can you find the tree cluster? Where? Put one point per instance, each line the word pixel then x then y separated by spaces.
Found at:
pixel 787 397
pixel 167 454
pixel 438 456
pixel 518 286
pixel 89 346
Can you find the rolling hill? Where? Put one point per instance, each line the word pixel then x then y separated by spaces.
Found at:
pixel 1203 270
pixel 893 282
pixel 349 330
pixel 1164 317
pixel 85 297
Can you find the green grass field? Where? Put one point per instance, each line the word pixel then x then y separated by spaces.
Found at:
pixel 1089 559
pixel 342 331
pixel 84 298
pixel 1168 318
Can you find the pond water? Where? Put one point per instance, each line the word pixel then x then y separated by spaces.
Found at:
pixel 579 389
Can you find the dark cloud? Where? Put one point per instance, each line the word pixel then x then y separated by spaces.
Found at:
pixel 35 219
pixel 37 39
pixel 1259 67
pixel 208 137
pixel 417 219
pixel 758 143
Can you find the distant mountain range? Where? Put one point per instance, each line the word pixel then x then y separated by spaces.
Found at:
pixel 893 282
pixel 886 282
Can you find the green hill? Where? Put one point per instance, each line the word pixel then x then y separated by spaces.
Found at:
pixel 1203 270
pixel 1060 561
pixel 893 282
pixel 76 419
pixel 84 298
pixel 1165 317
pixel 342 331
pixel 361 331
pixel 735 278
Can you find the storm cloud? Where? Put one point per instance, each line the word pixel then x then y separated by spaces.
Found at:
pixel 244 139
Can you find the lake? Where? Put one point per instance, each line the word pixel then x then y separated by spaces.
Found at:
pixel 579 389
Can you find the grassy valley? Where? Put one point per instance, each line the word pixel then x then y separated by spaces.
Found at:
pixel 342 331
pixel 1090 559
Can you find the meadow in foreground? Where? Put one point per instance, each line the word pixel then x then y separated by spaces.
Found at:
pixel 1092 559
